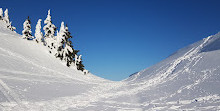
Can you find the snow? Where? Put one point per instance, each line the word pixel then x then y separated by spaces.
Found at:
pixel 38 34
pixel 31 79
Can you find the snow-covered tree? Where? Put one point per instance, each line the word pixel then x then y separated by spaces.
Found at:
pixel 6 17
pixel 26 33
pixel 7 21
pixel 77 59
pixel 78 62
pixel 60 39
pixel 1 14
pixel 69 53
pixel 49 30
pixel 38 34
pixel 80 66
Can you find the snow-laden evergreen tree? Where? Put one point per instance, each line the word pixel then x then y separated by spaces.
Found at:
pixel 80 66
pixel 49 30
pixel 1 14
pixel 69 52
pixel 60 40
pixel 77 59
pixel 68 49
pixel 26 33
pixel 38 34
pixel 78 62
pixel 6 17
pixel 7 21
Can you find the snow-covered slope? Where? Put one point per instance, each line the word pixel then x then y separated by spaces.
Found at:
pixel 33 80
pixel 28 73
pixel 189 79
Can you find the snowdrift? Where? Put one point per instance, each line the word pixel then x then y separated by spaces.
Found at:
pixel 33 80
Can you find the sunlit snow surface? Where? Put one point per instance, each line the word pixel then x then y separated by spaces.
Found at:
pixel 31 79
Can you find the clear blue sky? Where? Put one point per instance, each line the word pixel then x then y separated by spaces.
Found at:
pixel 120 37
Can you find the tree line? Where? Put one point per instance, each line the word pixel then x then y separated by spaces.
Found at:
pixel 57 42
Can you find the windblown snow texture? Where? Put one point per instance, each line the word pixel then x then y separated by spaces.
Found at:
pixel 31 79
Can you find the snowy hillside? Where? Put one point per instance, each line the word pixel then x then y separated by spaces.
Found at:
pixel 31 79
pixel 29 73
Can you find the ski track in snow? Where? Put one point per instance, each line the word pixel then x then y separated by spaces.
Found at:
pixel 37 65
pixel 33 77
pixel 11 96
pixel 76 102
pixel 4 91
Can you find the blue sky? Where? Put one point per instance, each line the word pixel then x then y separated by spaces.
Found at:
pixel 120 37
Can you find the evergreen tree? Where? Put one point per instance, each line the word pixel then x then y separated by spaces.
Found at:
pixel 49 30
pixel 78 62
pixel 69 52
pixel 38 33
pixel 7 21
pixel 80 66
pixel 60 39
pixel 1 14
pixel 26 33
pixel 68 55
pixel 68 41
